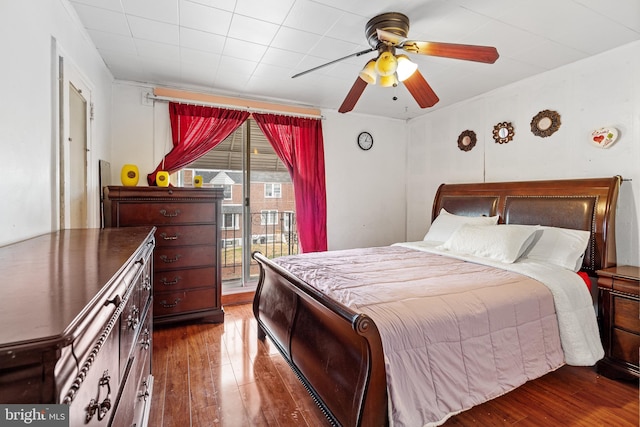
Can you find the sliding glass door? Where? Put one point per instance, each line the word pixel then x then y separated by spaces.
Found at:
pixel 258 210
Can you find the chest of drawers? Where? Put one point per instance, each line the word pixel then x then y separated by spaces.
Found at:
pixel 76 312
pixel 186 262
pixel 619 318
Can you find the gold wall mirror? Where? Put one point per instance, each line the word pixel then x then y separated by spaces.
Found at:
pixel 503 132
pixel 467 140
pixel 545 123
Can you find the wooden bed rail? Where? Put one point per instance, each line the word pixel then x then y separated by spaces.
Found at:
pixel 335 352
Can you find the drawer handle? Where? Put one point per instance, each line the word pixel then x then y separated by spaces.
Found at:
pixel 165 304
pixel 117 300
pixel 146 283
pixel 103 407
pixel 170 215
pixel 146 341
pixel 168 260
pixel 165 237
pixel 144 395
pixel 166 282
pixel 133 319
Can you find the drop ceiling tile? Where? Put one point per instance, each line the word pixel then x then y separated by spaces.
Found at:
pixel 312 17
pixel 151 49
pixel 113 5
pixel 199 17
pixel 160 32
pixel 229 66
pixel 228 5
pixel 625 12
pixel 95 18
pixel 196 39
pixel 332 49
pixel 270 11
pixel 294 40
pixel 114 42
pixel 244 50
pixel 281 57
pixel 158 10
pixel 252 30
pixel 198 58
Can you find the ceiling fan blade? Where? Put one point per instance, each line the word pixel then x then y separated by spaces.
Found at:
pixel 353 96
pixel 332 62
pixel 388 36
pixel 466 52
pixel 421 91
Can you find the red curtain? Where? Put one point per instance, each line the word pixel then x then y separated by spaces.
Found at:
pixel 298 143
pixel 196 129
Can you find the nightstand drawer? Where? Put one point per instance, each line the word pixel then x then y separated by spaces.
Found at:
pixel 625 314
pixel 625 345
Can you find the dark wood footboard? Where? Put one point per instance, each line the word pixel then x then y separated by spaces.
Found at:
pixel 336 352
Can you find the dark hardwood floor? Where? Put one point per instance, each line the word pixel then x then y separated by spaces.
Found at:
pixel 222 375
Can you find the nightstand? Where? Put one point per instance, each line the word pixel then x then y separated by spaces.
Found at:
pixel 619 321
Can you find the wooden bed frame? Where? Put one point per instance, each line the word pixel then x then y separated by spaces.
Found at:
pixel 337 352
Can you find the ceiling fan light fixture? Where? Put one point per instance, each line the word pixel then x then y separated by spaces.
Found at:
pixel 406 67
pixel 389 81
pixel 386 64
pixel 368 73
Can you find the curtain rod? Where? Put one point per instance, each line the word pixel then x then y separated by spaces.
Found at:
pixel 152 97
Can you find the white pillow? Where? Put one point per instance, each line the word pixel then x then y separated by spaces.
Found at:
pixel 504 243
pixel 560 246
pixel 446 223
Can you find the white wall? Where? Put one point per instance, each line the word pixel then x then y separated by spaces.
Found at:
pixel 600 91
pixel 30 31
pixel 366 196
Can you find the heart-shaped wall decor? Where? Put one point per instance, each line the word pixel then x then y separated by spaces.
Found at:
pixel 604 137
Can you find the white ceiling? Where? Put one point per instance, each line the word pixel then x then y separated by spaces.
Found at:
pixel 251 48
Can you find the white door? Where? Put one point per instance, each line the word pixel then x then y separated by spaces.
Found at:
pixel 75 148
pixel 77 158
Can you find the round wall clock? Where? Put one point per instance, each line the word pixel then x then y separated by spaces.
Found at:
pixel 365 140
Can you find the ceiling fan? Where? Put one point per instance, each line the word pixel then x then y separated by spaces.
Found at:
pixel 386 33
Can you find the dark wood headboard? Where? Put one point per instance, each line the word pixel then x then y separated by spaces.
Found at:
pixel 582 204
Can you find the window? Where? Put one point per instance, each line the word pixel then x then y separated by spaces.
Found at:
pixel 268 217
pixel 230 221
pixel 272 190
pixel 228 194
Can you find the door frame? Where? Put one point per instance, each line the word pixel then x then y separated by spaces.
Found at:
pixel 68 73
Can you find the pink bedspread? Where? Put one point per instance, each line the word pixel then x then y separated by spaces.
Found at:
pixel 455 334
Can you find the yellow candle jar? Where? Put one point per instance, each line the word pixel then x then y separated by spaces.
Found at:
pixel 162 179
pixel 129 175
pixel 197 181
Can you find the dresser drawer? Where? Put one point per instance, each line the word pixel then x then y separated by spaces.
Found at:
pixel 184 256
pixel 168 303
pixel 624 346
pixel 179 235
pixel 172 280
pixel 626 314
pixel 92 404
pixel 159 213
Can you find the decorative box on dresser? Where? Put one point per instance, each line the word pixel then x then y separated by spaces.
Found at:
pixel 76 324
pixel 187 258
pixel 619 316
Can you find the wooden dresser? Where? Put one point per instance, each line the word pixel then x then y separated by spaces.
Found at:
pixel 187 283
pixel 75 314
pixel 619 318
